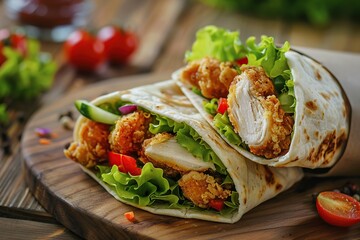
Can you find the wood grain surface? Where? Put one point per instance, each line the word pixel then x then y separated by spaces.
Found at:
pixel 81 205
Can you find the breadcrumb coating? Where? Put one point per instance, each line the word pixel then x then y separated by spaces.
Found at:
pixel 200 188
pixel 92 147
pixel 211 76
pixel 130 132
pixel 281 124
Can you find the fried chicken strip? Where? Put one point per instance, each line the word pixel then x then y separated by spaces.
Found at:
pixel 201 188
pixel 211 76
pixel 92 146
pixel 129 133
pixel 256 114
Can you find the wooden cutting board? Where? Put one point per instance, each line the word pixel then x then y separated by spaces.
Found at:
pixel 84 207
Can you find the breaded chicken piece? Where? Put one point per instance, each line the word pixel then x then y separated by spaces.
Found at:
pixel 92 146
pixel 129 133
pixel 170 171
pixel 165 152
pixel 256 114
pixel 211 76
pixel 200 188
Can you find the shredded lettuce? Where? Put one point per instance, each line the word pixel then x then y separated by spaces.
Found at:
pixel 215 42
pixel 188 138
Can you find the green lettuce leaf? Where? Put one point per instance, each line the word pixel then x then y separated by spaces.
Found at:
pixel 225 45
pixel 152 188
pixel 272 58
pixel 215 42
pixel 146 189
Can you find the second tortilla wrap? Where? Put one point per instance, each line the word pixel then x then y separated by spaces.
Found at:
pixel 316 133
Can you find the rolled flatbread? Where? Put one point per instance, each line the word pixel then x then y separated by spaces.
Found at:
pixel 315 135
pixel 186 169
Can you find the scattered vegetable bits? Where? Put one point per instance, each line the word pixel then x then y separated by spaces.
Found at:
pixel 130 216
pixel 45 135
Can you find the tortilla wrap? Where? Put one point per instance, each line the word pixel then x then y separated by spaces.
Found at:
pixel 321 120
pixel 254 183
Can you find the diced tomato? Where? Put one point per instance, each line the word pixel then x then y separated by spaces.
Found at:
pixel 217 204
pixel 222 105
pixel 338 209
pixel 126 164
pixel 130 216
pixel 242 61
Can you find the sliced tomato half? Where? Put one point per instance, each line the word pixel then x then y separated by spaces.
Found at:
pixel 338 209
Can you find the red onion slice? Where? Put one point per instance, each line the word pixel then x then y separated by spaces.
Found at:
pixel 43 132
pixel 126 109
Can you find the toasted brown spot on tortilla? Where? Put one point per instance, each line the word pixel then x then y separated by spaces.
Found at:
pixel 295 159
pixel 336 93
pixel 306 134
pixel 278 187
pixel 341 139
pixel 344 111
pixel 325 95
pixel 311 105
pixel 326 149
pixel 160 107
pixel 269 176
pixel 317 75
pixel 316 133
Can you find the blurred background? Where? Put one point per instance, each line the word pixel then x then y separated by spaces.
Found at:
pixel 164 30
pixel 37 67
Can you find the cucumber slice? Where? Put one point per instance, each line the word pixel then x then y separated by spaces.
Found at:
pixel 95 113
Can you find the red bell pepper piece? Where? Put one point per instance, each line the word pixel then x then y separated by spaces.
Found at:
pixel 222 105
pixel 126 164
pixel 217 204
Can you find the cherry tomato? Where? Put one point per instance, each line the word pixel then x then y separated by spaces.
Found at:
pixel 217 204
pixel 84 51
pixel 338 209
pixel 126 164
pixel 222 106
pixel 119 43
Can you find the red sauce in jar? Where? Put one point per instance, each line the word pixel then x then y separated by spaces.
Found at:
pixel 49 13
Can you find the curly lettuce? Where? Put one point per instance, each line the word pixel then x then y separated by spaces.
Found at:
pixel 152 188
pixel 272 59
pixel 225 45
pixel 145 189
pixel 215 42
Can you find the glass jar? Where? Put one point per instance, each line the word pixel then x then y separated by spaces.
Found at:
pixel 51 20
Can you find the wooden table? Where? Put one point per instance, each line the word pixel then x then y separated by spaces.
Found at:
pixel 166 29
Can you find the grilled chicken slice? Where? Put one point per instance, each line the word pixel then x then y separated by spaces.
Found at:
pixel 165 152
pixel 256 114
